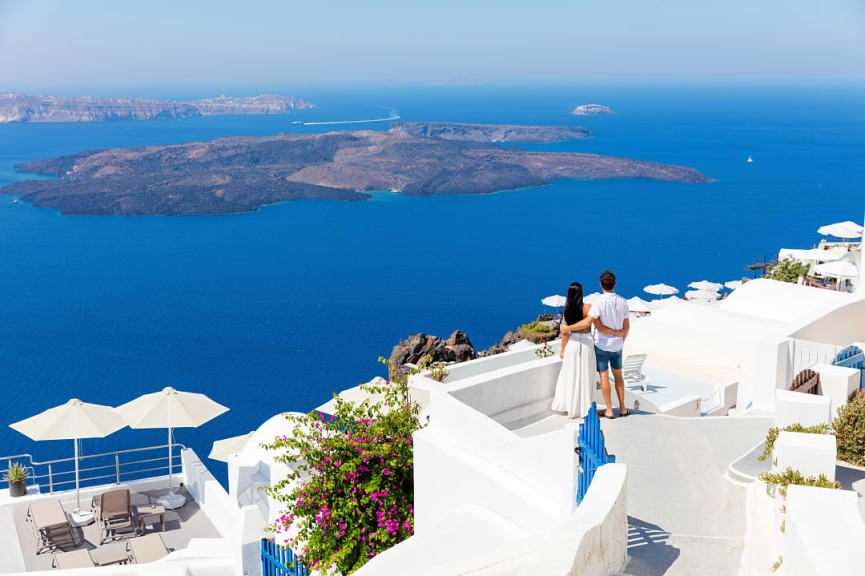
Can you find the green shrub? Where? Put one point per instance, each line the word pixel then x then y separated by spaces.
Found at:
pixel 850 430
pixel 438 372
pixel 787 270
pixel 792 477
pixel 536 328
pixel 772 435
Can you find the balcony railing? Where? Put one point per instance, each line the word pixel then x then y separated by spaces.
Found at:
pixel 95 469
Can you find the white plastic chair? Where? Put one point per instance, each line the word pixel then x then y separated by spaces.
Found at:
pixel 632 371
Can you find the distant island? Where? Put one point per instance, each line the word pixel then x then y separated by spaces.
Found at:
pixel 16 107
pixel 591 110
pixel 490 132
pixel 239 174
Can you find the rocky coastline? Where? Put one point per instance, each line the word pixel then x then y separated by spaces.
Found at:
pixel 17 107
pixel 421 348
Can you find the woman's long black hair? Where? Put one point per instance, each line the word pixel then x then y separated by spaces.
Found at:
pixel 574 303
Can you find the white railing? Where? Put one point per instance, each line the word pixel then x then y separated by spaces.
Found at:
pixel 105 468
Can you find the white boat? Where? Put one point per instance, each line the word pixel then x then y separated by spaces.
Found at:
pixel 750 159
pixel 15 201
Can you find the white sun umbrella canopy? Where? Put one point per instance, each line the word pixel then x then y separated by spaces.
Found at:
pixel 839 269
pixel 660 290
pixel 170 409
pixel 842 230
pixel 705 285
pixel 223 449
pixel 72 421
pixel 702 295
pixel 554 301
pixel 591 297
pixel 732 284
pixel 637 304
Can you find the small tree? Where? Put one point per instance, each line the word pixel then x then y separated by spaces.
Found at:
pixel 787 270
pixel 351 495
pixel 850 430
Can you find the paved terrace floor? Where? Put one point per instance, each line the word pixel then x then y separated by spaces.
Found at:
pixel 181 526
pixel 685 516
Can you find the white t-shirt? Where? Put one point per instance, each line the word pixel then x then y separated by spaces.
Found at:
pixel 612 310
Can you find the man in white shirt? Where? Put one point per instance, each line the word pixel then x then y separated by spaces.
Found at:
pixel 610 310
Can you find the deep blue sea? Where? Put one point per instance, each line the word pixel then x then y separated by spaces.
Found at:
pixel 274 310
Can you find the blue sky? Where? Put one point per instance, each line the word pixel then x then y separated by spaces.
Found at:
pixel 52 44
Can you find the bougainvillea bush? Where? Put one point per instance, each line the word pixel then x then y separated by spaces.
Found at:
pixel 351 494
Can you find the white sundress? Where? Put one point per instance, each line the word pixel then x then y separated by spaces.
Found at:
pixel 576 383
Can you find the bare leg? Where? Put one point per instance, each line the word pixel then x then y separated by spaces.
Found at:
pixel 605 389
pixel 620 390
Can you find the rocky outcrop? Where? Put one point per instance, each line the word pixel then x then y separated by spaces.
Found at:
pixel 16 107
pixel 543 329
pixel 421 348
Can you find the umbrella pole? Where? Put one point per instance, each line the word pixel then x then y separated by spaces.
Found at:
pixel 170 466
pixel 77 486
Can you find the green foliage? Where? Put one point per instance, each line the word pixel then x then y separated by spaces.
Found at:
pixel 536 328
pixel 794 477
pixel 772 435
pixel 787 270
pixel 438 372
pixel 16 473
pixel 544 351
pixel 351 493
pixel 849 428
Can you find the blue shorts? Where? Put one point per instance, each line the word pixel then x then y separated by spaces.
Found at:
pixel 607 360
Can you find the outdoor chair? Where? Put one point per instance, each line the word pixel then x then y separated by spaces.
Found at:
pixel 73 559
pixel 632 371
pixel 115 515
pixel 51 526
pixel 146 549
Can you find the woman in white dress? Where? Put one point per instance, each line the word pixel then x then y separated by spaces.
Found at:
pixel 579 372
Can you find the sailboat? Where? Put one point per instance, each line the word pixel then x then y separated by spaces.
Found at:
pixel 750 159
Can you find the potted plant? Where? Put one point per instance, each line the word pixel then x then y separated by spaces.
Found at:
pixel 17 476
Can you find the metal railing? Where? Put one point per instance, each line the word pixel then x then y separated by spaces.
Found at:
pixel 94 469
pixel 279 560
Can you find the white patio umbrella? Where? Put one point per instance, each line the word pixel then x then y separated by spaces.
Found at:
pixel 170 409
pixel 554 301
pixel 839 269
pixel 637 304
pixel 660 290
pixel 843 230
pixel 732 284
pixel 72 421
pixel 705 285
pixel 222 449
pixel 702 295
pixel 591 297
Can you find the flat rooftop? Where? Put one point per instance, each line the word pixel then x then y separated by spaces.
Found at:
pixel 17 544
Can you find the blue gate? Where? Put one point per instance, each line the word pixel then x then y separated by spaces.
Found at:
pixel 278 560
pixel 852 357
pixel 593 453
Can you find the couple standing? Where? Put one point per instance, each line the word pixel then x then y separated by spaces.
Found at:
pixel 585 355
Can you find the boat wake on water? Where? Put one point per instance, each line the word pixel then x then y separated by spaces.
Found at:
pixel 394 115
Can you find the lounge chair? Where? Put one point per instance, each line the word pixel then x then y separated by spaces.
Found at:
pixel 632 370
pixel 51 526
pixel 146 549
pixel 115 515
pixel 73 559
